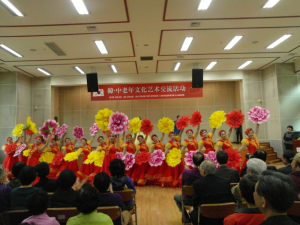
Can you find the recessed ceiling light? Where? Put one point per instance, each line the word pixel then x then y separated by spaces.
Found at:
pixel 44 71
pixel 233 42
pixel 113 68
pixel 79 70
pixel 9 50
pixel 204 4
pixel 186 44
pixel 80 7
pixel 270 4
pixel 101 47
pixel 278 41
pixel 176 66
pixel 244 65
pixel 12 8
pixel 211 65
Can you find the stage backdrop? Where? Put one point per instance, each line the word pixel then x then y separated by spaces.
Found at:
pixel 146 91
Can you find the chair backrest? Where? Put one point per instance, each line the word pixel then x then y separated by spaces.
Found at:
pixel 62 214
pixel 219 210
pixel 126 195
pixel 15 217
pixel 114 212
pixel 187 190
pixel 50 194
pixel 232 185
pixel 295 209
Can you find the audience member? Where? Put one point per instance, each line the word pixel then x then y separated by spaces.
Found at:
pixel 16 168
pixel 288 137
pixel 231 174
pixel 287 159
pixel 108 198
pixel 295 175
pixel 86 201
pixel 208 190
pixel 188 178
pixel 274 195
pixel 37 204
pixel 250 215
pixel 64 196
pixel 48 185
pixel 259 154
pixel 4 191
pixel 19 195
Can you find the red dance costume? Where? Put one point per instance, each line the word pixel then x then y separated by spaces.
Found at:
pixel 130 148
pixel 34 154
pixel 208 143
pixel 191 145
pixel 139 171
pixel 110 155
pixel 97 169
pixel 23 158
pixel 54 168
pixel 73 165
pixel 86 169
pixel 252 146
pixel 10 160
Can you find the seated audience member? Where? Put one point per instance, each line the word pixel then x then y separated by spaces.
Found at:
pixel 250 215
pixel 48 185
pixel 259 154
pixel 86 202
pixel 16 168
pixel 108 198
pixel 4 191
pixel 287 159
pixel 274 194
pixel 120 181
pixel 37 204
pixel 19 195
pixel 64 196
pixel 208 190
pixel 295 175
pixel 231 174
pixel 188 178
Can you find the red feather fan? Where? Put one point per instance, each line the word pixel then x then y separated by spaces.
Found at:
pixel 182 122
pixel 234 158
pixel 196 118
pixel 10 148
pixel 58 159
pixel 146 127
pixel 142 157
pixel 235 118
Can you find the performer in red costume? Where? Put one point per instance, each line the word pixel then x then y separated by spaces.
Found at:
pixel 190 143
pixel 9 149
pixel 206 141
pixel 55 148
pixel 129 147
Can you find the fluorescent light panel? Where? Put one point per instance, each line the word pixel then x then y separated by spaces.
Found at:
pixel 280 40
pixel 186 44
pixel 211 65
pixel 44 71
pixel 176 66
pixel 270 4
pixel 9 50
pixel 233 42
pixel 204 4
pixel 101 47
pixel 13 9
pixel 244 65
pixel 80 7
pixel 113 68
pixel 79 70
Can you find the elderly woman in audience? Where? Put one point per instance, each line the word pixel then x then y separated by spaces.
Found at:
pixel 37 204
pixel 87 200
pixel 48 185
pixel 295 175
pixel 4 191
pixel 16 168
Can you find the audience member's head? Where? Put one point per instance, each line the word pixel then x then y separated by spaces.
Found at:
pixel 42 169
pixel 208 167
pixel 222 157
pixel 287 157
pixel 256 166
pixel 260 154
pixel 102 182
pixel 247 187
pixel 198 158
pixel 27 175
pixel 117 168
pixel 274 192
pixel 66 179
pixel 87 199
pixel 37 202
pixel 16 168
pixel 296 162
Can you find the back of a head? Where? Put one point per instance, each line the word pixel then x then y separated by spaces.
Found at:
pixel 37 202
pixel 278 189
pixel 27 175
pixel 16 168
pixel 260 154
pixel 87 199
pixel 222 157
pixel 102 181
pixel 117 168
pixel 247 187
pixel 42 169
pixel 198 158
pixel 257 166
pixel 209 167
pixel 66 179
pixel 289 155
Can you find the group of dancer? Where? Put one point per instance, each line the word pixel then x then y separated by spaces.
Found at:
pixel 108 145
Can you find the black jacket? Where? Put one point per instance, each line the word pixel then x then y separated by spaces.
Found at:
pixel 231 174
pixel 286 170
pixel 48 185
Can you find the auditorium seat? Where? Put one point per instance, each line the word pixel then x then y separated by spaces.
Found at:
pixel 187 190
pixel 128 195
pixel 294 212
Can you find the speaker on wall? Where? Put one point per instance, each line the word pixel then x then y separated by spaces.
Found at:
pixel 92 82
pixel 197 78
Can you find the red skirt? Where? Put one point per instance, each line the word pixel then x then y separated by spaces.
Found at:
pixel 155 173
pixel 23 158
pixel 73 165
pixel 209 150
pixel 34 159
pixel 9 161
pixel 106 162
pixel 138 173
pixel 172 175
pixel 53 170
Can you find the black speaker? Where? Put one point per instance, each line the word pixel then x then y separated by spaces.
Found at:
pixel 92 82
pixel 197 78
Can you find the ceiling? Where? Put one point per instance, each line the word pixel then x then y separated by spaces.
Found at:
pixel 131 29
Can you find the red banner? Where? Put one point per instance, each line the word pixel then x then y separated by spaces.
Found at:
pixel 146 91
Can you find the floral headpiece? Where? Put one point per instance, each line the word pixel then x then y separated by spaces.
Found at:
pixel 188 130
pixel 220 132
pixel 248 130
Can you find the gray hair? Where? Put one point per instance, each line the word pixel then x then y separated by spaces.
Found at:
pixel 256 166
pixel 208 166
